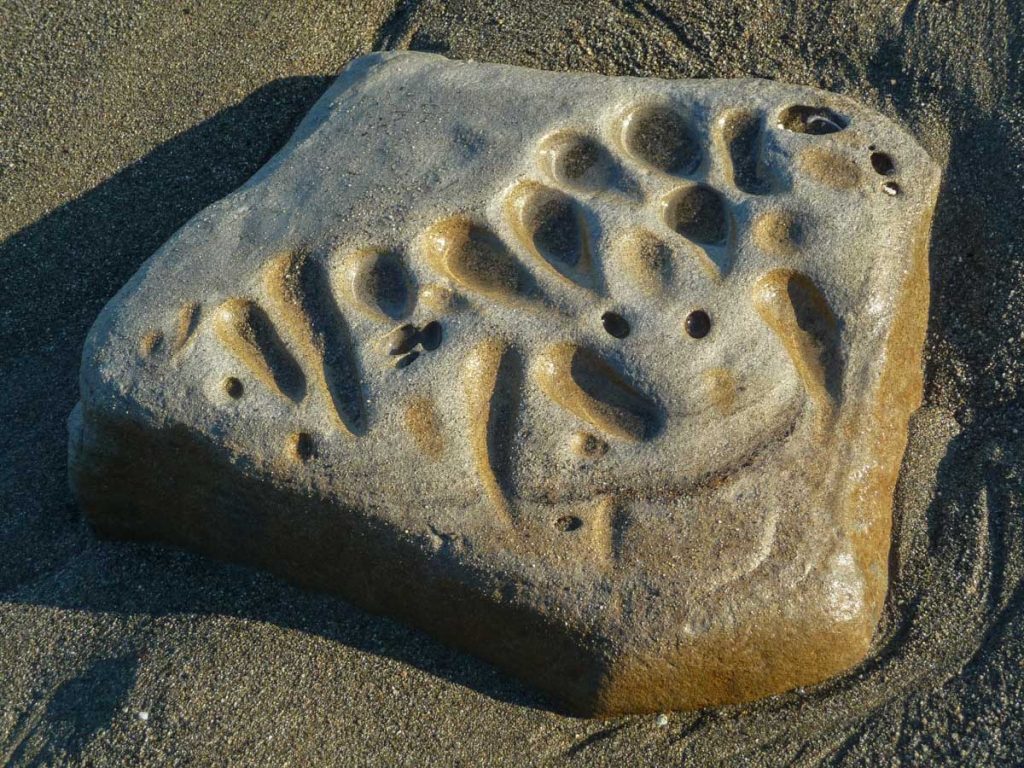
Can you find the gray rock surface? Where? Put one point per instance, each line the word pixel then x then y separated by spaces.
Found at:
pixel 605 380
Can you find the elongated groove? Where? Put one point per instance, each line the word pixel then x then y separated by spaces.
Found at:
pixel 590 389
pixel 299 296
pixel 721 386
pixel 150 343
pixel 792 306
pixel 740 137
pixel 188 319
pixel 245 330
pixel 480 383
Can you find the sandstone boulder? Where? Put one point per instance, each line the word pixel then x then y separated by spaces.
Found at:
pixel 605 380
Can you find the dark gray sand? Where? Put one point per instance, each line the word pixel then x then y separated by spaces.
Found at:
pixel 119 121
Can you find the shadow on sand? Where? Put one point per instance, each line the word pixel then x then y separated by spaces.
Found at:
pixel 59 273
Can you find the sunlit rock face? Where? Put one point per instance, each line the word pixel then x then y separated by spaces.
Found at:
pixel 605 380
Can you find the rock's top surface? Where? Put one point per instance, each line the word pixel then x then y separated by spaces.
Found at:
pixel 604 379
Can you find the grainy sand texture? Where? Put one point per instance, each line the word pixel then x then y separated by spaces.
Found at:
pixel 119 121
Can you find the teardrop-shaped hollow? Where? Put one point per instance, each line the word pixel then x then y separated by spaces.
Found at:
pixel 576 160
pixel 492 388
pixel 661 137
pixel 299 292
pixel 590 388
pixel 816 121
pixel 698 213
pixel 380 283
pixel 473 256
pixel 248 333
pixel 794 307
pixel 188 320
pixel 552 228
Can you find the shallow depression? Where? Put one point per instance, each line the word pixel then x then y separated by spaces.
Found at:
pixel 698 213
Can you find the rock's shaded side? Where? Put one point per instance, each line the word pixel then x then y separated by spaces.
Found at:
pixel 605 380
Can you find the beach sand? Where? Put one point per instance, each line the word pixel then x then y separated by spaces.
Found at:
pixel 119 121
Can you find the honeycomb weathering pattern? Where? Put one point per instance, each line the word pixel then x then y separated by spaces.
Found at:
pixel 606 380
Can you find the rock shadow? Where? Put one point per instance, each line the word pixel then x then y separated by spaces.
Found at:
pixel 59 272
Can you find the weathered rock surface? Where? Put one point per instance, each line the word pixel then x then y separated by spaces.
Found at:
pixel 605 380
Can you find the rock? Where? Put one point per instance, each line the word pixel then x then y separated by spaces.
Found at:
pixel 605 380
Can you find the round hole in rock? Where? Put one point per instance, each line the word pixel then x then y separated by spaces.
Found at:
pixel 589 445
pixel 891 188
pixel 568 523
pixel 615 324
pixel 233 387
pixel 882 163
pixel 302 447
pixel 698 324
pixel 431 335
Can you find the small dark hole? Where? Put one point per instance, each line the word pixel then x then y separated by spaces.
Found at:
pixel 882 163
pixel 407 360
pixel 615 324
pixel 302 442
pixel 698 324
pixel 568 523
pixel 592 446
pixel 233 387
pixel 891 188
pixel 402 339
pixel 430 336
pixel 872 147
